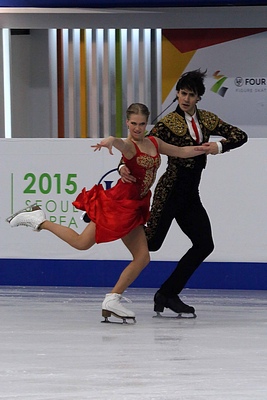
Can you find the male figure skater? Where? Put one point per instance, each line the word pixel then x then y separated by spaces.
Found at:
pixel 176 195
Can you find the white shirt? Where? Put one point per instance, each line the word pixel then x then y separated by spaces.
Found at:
pixel 188 119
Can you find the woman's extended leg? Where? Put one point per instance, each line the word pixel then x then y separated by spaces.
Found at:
pixel 36 220
pixel 80 241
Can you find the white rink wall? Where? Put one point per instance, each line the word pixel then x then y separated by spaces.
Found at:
pixel 53 171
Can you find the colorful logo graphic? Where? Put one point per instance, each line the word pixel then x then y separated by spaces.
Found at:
pixel 239 81
pixel 217 87
pixel 108 183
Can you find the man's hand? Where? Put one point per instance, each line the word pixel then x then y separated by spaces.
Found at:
pixel 208 148
pixel 126 176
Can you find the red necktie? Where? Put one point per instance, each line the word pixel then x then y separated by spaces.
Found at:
pixel 195 130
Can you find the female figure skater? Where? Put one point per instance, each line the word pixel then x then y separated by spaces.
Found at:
pixel 121 211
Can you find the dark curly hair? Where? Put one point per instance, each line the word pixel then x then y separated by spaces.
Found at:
pixel 192 80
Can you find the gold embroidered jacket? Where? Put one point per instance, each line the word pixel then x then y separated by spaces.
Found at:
pixel 173 129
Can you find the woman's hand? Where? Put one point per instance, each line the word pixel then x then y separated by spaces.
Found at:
pixel 208 148
pixel 107 142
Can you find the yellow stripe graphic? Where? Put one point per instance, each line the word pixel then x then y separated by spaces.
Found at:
pixel 173 65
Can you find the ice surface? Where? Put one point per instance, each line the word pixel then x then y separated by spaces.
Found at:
pixel 53 347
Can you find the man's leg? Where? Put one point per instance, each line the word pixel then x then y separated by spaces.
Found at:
pixel 160 229
pixel 195 223
pixel 168 298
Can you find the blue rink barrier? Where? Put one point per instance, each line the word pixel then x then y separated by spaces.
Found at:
pixel 104 273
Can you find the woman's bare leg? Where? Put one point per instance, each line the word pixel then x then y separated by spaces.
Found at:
pixel 82 241
pixel 136 242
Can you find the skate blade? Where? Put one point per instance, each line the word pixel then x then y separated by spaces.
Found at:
pixel 124 320
pixel 31 207
pixel 178 316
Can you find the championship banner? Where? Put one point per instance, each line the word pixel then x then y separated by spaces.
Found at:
pixel 235 60
pixel 51 173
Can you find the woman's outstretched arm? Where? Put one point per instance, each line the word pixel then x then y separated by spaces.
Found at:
pixel 182 152
pixel 123 145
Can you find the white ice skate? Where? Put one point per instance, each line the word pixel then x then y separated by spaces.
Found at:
pixel 112 306
pixel 31 217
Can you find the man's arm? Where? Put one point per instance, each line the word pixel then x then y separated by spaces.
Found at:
pixel 125 173
pixel 234 137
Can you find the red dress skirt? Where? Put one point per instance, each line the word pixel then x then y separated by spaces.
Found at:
pixel 120 209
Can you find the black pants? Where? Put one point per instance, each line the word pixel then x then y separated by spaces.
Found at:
pixel 184 205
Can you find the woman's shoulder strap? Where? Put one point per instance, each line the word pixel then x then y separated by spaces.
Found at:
pixel 154 141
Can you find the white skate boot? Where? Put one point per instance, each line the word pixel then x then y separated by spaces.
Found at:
pixel 112 305
pixel 31 217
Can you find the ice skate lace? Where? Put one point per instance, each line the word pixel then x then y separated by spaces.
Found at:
pixel 29 224
pixel 25 224
pixel 126 299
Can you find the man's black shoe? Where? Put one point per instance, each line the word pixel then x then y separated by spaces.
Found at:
pixel 174 303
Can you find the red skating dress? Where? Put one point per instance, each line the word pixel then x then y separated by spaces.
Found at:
pixel 120 209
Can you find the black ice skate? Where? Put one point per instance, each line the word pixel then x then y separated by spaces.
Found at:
pixel 175 304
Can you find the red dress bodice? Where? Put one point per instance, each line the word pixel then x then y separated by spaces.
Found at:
pixel 120 209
